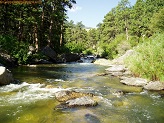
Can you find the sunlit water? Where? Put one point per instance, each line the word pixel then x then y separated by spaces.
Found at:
pixel 32 102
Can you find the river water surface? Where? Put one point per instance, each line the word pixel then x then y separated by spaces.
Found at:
pixel 31 102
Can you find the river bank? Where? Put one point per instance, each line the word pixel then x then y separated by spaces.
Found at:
pixel 117 68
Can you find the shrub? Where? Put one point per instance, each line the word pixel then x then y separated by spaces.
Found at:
pixel 18 50
pixel 147 62
pixel 110 50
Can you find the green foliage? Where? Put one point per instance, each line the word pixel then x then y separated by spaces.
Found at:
pixel 89 51
pixel 148 60
pixel 21 53
pixel 110 50
pixel 18 50
pixel 75 37
pixel 157 21
pixel 75 47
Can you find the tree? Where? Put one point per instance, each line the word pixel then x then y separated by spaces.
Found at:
pixel 157 21
pixel 35 24
pixel 138 26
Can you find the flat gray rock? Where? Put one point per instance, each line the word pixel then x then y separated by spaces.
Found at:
pixel 82 101
pixel 134 81
pixel 116 68
pixel 154 86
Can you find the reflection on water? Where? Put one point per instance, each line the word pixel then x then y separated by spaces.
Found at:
pixel 33 99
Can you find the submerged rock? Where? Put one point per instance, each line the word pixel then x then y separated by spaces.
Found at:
pixel 133 81
pixel 90 118
pixel 5 76
pixel 154 86
pixel 118 93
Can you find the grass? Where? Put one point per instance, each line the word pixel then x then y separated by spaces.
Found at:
pixel 148 60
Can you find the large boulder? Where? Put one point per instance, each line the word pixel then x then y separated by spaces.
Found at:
pixel 156 86
pixel 49 52
pixel 5 76
pixel 134 81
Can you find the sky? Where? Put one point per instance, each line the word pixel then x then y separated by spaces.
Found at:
pixel 92 12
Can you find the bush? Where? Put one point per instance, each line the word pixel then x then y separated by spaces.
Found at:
pixel 148 60
pixel 18 50
pixel 88 51
pixel 110 50
pixel 75 47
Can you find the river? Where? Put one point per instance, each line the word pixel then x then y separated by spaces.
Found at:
pixel 31 102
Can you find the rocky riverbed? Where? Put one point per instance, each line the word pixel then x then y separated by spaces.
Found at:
pixel 118 69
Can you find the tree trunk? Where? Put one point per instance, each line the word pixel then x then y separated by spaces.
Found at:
pixel 41 31
pixel 36 38
pixel 61 35
pixel 20 28
pixel 126 30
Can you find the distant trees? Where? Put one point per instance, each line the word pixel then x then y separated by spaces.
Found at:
pixel 75 37
pixel 124 27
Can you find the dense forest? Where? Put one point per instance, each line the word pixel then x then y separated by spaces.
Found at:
pixel 36 24
pixel 139 27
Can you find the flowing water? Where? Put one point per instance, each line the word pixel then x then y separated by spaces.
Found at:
pixel 32 102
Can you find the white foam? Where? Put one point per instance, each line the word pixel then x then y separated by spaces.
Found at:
pixel 27 93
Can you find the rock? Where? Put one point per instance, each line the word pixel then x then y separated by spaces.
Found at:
pixel 7 60
pixel 82 101
pixel 103 62
pixel 71 99
pixel 154 86
pixel 80 61
pixel 31 50
pixel 118 93
pixel 127 73
pixel 133 81
pixel 102 74
pixel 48 51
pixel 116 68
pixel 116 74
pixel 5 76
pixel 120 60
pixel 1 64
pixel 70 57
pixel 63 96
pixel 40 61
